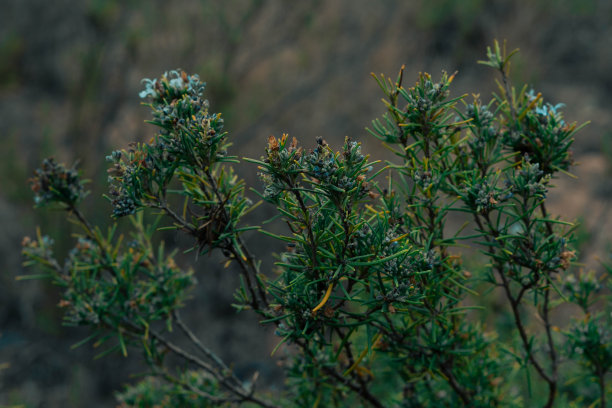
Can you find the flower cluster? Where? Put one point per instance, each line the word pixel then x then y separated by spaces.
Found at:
pixel 427 95
pixel 189 137
pixel 542 134
pixel 592 342
pixel 483 195
pixel 338 174
pixel 127 173
pixel 171 86
pixel 54 183
pixel 283 159
pixel 421 112
pixel 39 248
pixel 321 163
pixel 581 287
pixel 485 139
pixel 285 167
pixel 529 180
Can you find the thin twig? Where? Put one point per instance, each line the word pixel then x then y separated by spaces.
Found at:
pixel 245 395
pixel 172 379
pixel 513 302
pixel 546 317
pixel 452 381
pixel 602 388
pixel 552 385
pixel 207 352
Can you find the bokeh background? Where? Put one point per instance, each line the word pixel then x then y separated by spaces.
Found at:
pixel 70 75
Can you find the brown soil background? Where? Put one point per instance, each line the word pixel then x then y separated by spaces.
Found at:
pixel 69 79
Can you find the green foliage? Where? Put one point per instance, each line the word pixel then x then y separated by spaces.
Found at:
pixel 371 292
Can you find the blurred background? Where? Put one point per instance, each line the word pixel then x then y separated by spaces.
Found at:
pixel 70 75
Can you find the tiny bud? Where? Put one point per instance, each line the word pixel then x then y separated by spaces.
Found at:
pixel 496 381
pixel 36 186
pixel 383 345
pixel 329 312
pixel 64 303
pixel 273 143
pixel 171 264
pixel 566 257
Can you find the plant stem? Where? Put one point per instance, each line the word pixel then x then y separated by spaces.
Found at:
pixel 205 350
pixel 238 390
pixel 514 304
pixel 452 381
pixel 602 388
pixel 552 385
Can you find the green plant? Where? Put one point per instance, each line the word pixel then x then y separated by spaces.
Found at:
pixel 371 292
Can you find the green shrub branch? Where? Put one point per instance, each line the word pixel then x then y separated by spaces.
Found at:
pixel 371 300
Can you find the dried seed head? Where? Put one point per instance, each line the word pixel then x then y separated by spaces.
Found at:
pixel 566 258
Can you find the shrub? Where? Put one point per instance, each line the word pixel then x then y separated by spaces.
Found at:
pixel 371 293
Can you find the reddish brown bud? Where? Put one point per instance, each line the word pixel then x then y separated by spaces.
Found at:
pixel 64 303
pixel 272 143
